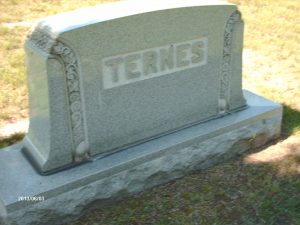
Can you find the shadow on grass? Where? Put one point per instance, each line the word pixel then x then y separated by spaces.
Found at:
pixel 234 192
pixel 13 139
pixel 290 121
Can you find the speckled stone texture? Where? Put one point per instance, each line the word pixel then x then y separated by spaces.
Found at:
pixel 105 78
pixel 68 193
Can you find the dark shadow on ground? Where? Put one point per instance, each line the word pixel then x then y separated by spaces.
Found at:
pixel 13 139
pixel 290 121
pixel 234 192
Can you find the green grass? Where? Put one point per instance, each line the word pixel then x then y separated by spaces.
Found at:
pixel 230 193
pixel 5 142
pixel 13 92
pixel 291 121
pixel 26 10
pixel 13 86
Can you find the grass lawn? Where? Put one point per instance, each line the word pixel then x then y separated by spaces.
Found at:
pixel 260 187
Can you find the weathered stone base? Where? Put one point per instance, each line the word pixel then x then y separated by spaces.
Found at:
pixel 69 192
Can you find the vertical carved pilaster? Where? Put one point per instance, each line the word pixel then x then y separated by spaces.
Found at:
pixel 67 57
pixel 226 63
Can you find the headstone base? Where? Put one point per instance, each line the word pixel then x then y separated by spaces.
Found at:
pixel 67 193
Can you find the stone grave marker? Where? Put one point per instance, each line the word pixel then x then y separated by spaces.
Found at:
pixel 131 95
pixel 110 81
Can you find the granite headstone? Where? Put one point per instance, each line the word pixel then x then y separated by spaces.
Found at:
pixel 107 78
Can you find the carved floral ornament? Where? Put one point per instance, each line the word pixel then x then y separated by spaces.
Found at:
pixel 44 42
pixel 226 62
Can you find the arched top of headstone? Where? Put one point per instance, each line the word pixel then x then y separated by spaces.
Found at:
pixel 67 21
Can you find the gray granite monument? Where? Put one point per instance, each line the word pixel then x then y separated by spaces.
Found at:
pixel 126 96
pixel 111 81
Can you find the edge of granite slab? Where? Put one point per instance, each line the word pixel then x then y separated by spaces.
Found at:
pixel 67 193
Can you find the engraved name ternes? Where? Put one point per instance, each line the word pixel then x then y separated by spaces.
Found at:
pixel 136 66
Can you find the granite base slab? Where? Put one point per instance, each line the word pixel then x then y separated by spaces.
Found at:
pixel 67 193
